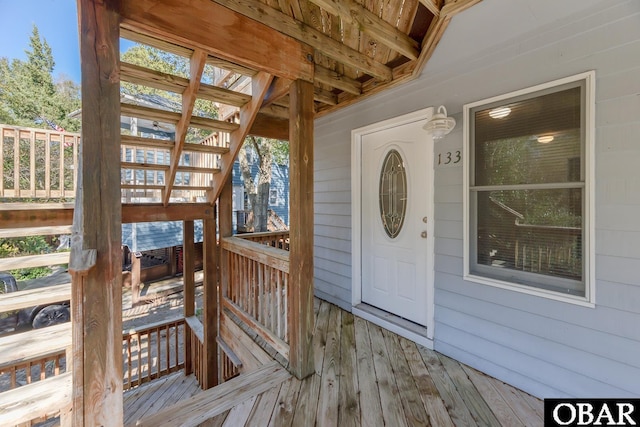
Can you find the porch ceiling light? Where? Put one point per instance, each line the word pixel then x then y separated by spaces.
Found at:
pixel 500 112
pixel 440 124
pixel 545 139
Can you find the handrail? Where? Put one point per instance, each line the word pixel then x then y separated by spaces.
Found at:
pixel 267 255
pixel 32 297
pixel 30 261
pixel 276 239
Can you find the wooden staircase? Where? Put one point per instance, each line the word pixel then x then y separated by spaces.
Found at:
pixel 209 403
pixel 162 169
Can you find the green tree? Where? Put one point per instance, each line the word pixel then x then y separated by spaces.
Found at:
pixel 257 187
pixel 156 59
pixel 28 93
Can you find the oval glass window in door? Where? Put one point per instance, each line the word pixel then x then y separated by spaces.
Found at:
pixel 393 193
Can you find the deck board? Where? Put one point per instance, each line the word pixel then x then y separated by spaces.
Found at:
pixel 367 376
pixel 349 405
pixel 370 408
pixel 414 410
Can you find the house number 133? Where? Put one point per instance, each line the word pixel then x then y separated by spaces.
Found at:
pixel 449 157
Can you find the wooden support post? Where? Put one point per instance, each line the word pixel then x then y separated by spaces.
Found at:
pixel 97 296
pixel 225 204
pixel 189 291
pixel 210 285
pixel 301 233
pixel 136 278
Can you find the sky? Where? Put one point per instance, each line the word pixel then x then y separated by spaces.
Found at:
pixel 57 22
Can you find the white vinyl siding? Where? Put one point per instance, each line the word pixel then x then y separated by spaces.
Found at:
pixel 545 347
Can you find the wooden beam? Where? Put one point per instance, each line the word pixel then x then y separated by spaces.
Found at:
pixel 210 298
pixel 99 221
pixel 30 261
pixel 333 79
pixel 189 97
pixel 276 111
pixel 300 295
pixel 189 288
pixel 21 217
pixel 351 12
pixel 278 89
pixel 453 7
pixel 432 5
pixel 259 86
pixel 402 73
pixel 270 127
pixel 164 45
pixel 225 204
pixel 35 231
pixel 33 297
pixel 220 32
pixel 325 96
pixel 155 212
pixel 310 36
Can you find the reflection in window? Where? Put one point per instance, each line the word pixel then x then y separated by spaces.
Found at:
pixel 527 190
pixel 393 193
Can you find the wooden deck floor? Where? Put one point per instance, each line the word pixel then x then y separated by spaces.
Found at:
pixel 367 376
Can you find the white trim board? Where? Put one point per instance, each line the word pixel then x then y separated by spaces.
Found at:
pixel 395 324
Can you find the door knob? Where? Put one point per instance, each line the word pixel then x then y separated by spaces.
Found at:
pixel 423 234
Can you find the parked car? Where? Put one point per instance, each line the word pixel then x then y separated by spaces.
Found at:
pixel 38 316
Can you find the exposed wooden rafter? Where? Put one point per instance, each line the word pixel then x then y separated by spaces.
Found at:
pixel 369 23
pixel 453 7
pixel 333 79
pixel 309 35
pixel 278 89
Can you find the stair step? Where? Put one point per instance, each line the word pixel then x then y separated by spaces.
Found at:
pixel 44 398
pixel 212 402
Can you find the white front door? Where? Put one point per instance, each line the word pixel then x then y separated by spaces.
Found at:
pixel 395 213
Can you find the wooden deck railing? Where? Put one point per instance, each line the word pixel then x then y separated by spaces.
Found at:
pixel 276 239
pixel 37 162
pixel 255 289
pixel 195 352
pixel 35 369
pixel 152 351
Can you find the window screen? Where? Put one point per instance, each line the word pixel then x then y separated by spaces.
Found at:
pixel 527 189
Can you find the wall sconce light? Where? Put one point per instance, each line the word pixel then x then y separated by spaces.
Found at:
pixel 440 124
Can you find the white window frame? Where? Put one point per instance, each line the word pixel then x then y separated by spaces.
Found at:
pixel 276 197
pixel 589 203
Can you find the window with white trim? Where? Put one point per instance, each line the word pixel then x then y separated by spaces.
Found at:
pixel 527 185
